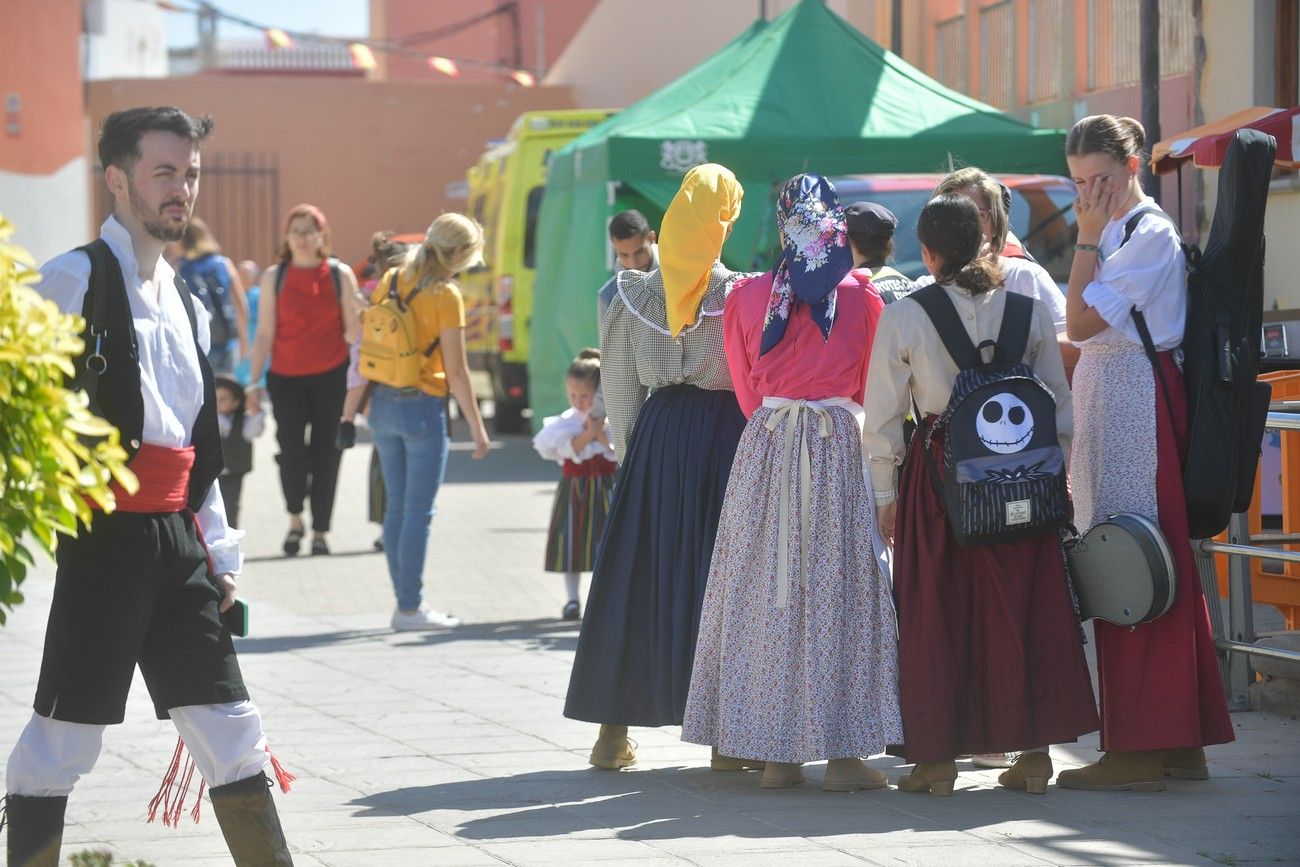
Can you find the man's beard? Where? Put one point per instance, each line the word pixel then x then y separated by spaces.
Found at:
pixel 155 224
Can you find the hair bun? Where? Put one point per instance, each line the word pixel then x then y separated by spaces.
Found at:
pixel 1135 131
pixel 589 352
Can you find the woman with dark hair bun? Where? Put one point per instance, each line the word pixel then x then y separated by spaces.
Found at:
pixel 1161 692
pixel 990 653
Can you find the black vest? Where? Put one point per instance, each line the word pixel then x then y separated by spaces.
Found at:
pixel 238 451
pixel 115 394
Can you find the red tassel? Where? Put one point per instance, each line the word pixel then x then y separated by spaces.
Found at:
pixel 179 806
pixel 163 796
pixel 283 777
pixel 198 803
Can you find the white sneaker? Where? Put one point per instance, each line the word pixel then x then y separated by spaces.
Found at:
pixel 994 760
pixel 424 618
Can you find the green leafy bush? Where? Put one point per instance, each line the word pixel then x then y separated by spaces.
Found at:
pixel 55 455
pixel 101 858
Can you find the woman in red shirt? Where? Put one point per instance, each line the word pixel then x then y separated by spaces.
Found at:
pixel 310 315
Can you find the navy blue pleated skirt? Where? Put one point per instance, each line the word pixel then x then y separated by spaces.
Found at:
pixel 633 663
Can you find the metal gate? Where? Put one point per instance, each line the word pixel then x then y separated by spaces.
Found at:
pixel 239 199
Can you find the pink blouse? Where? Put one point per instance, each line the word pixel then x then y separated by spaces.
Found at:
pixel 802 365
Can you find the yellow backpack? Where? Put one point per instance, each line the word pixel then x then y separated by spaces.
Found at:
pixel 390 349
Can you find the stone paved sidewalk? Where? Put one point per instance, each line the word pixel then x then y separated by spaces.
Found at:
pixel 449 748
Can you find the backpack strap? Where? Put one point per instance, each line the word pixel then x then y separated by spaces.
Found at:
pixel 1013 336
pixel 1131 224
pixel 943 315
pixel 338 280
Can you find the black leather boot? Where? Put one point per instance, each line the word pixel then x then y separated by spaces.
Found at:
pixel 250 824
pixel 35 830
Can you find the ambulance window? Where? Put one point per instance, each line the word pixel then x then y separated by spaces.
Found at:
pixel 530 226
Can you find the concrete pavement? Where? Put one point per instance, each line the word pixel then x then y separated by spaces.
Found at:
pixel 450 748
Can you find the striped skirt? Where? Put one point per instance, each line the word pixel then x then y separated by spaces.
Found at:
pixel 577 522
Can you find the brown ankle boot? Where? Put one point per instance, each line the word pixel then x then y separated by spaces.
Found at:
pixel 1186 764
pixel 1029 773
pixel 933 777
pixel 1137 771
pixel 613 749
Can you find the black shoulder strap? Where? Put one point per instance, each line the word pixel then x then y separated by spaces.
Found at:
pixel 95 311
pixel 1017 320
pixel 1149 345
pixel 943 314
pixel 1131 224
pixel 187 298
pixel 279 277
pixel 338 280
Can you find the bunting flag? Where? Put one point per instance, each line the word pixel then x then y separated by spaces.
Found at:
pixel 277 38
pixel 362 56
pixel 445 65
pixel 524 78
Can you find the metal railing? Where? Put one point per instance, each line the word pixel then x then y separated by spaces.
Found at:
pixel 1238 645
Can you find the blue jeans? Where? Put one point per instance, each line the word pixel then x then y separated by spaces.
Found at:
pixel 410 434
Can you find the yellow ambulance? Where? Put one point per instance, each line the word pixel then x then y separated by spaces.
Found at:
pixel 505 196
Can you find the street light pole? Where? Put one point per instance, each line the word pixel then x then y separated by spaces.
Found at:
pixel 1149 42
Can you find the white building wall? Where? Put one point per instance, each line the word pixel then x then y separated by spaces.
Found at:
pixel 50 213
pixel 124 39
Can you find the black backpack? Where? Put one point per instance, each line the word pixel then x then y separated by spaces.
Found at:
pixel 1003 472
pixel 1226 407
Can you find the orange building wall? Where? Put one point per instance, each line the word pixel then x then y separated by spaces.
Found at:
pixel 40 62
pixel 372 155
pixel 489 40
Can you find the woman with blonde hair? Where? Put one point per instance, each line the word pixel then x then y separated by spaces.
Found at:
pixel 409 425
pixel 309 317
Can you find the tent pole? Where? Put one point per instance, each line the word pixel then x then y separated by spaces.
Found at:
pixel 1149 56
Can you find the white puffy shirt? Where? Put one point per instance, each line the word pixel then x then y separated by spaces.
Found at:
pixel 171 381
pixel 1148 272
pixel 555 440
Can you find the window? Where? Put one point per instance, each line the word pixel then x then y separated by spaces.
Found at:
pixel 1045 36
pixel 950 53
pixel 530 225
pixel 998 55
pixel 1114 49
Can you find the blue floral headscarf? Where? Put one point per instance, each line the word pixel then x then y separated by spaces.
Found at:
pixel 815 256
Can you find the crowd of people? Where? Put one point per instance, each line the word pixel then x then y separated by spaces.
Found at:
pixel 780 572
pixel 750 473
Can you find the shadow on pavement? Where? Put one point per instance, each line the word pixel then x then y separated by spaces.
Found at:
pixel 543 634
pixel 271 558
pixel 675 803
pixel 540 635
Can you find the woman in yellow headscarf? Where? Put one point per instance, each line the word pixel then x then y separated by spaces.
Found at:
pixel 676 424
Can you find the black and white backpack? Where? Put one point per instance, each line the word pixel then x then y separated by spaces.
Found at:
pixel 1003 474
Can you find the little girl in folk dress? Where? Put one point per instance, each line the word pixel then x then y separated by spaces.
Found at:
pixel 578 439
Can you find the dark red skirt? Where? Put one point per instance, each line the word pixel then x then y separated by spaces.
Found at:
pixel 1160 682
pixel 990 651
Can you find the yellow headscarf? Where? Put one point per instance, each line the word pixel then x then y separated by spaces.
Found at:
pixel 691 238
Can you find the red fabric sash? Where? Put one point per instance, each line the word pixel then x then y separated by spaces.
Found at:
pixel 597 466
pixel 164 476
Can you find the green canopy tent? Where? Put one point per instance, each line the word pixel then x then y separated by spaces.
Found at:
pixel 805 92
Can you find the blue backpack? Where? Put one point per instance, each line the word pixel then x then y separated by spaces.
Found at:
pixel 1003 475
pixel 209 281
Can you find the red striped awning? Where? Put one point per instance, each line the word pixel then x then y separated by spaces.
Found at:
pixel 1206 145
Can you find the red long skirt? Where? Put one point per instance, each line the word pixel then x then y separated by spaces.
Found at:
pixel 990 651
pixel 1160 681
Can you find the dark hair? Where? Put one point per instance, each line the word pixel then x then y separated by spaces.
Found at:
pixel 874 248
pixel 198 239
pixel 119 137
pixel 949 227
pixel 586 368
pixel 1117 137
pixel 628 224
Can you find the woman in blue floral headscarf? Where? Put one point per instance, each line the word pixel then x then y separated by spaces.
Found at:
pixel 796 658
